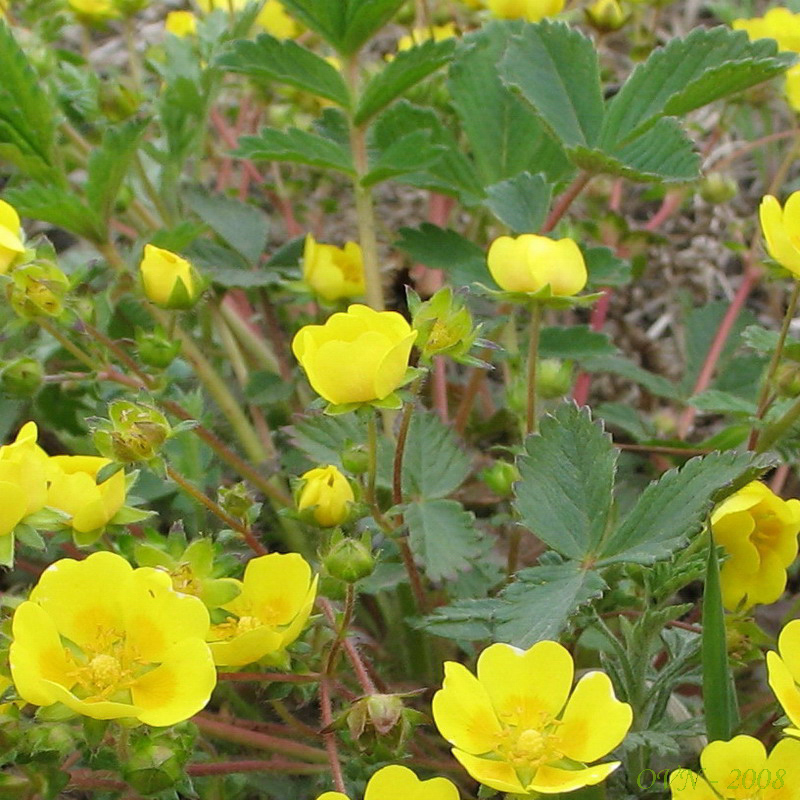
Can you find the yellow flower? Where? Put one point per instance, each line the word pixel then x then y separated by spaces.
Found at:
pixel 180 23
pixel 355 357
pixel 778 23
pixel 739 769
pixel 93 10
pixel 438 33
pixel 515 727
pixel 327 494
pixel 531 10
pixel 791 87
pixel 759 532
pixel 784 673
pixel 74 490
pixel 400 783
pixel 274 19
pixel 23 478
pixel 270 612
pixel 10 236
pixel 109 641
pixel 781 227
pixel 333 272
pixel 529 262
pixel 169 281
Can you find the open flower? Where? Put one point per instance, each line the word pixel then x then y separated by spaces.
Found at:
pixel 180 23
pixel 783 669
pixel 778 23
pixel 23 478
pixel 10 236
pixel 327 494
pixel 739 769
pixel 529 262
pixel 74 490
pixel 333 272
pixel 530 10
pixel 169 281
pixel 400 783
pixel 355 357
pixel 781 227
pixel 434 33
pixel 515 727
pixel 110 641
pixel 269 614
pixel 759 532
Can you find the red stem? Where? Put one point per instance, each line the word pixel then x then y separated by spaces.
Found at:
pixel 273 677
pixel 565 201
pixel 330 737
pixel 580 393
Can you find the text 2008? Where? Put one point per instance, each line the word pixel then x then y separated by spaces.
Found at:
pixel 681 778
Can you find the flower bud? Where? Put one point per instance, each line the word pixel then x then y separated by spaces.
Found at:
pixel 180 23
pixel 127 8
pixel 717 188
pixel 236 500
pixel 606 16
pixel 93 12
pixel 501 477
pixel 350 560
pixel 326 495
pixel 134 433
pixel 169 281
pixel 333 272
pixel 553 378
pixel 787 380
pixel 155 349
pixel 152 769
pixel 37 290
pixel 11 246
pixel 443 325
pixel 530 10
pixel 22 377
pixel 355 458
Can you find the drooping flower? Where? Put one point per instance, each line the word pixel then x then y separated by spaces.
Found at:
pixel 169 281
pixel 327 495
pixel 333 272
pixel 530 262
pixel 180 23
pixel 109 641
pixel 276 597
pixel 759 532
pixel 783 669
pixel 400 783
pixel 530 10
pixel 10 236
pixel 739 769
pixel 516 728
pixel 781 227
pixel 23 478
pixel 355 357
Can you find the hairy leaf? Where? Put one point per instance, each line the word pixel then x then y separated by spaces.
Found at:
pixel 295 145
pixel 520 202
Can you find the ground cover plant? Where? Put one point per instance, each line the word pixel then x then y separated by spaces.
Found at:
pixel 400 400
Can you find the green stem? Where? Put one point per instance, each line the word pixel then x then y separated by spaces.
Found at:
pixel 256 347
pixel 372 460
pixel 341 630
pixel 76 351
pixel 151 192
pixel 129 29
pixel 533 358
pixel 774 432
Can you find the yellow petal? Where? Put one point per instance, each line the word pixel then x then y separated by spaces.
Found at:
pixel 498 775
pixel 779 243
pixel 558 263
pixel 96 709
pixel 552 780
pixel 733 532
pixel 393 325
pixel 770 581
pixel 178 688
pixel 721 759
pixel 783 685
pixel 332 796
pixel 246 648
pixel 508 264
pixel 400 783
pixel 687 785
pixel 463 711
pixel 14 505
pixel 524 684
pixel 299 622
pixel 789 647
pixel 784 756
pixel 392 369
pixel 580 735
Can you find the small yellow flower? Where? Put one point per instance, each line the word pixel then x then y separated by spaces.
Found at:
pixel 739 769
pixel 530 10
pixel 781 227
pixel 759 532
pixel 355 357
pixel 783 669
pixel 333 272
pixel 515 727
pixel 529 262
pixel 269 614
pixel 778 23
pixel 10 236
pixel 110 642
pixel 791 87
pixel 74 490
pixel 400 783
pixel 169 281
pixel 23 478
pixel 180 23
pixel 327 494
pixel 438 33
pixel 93 10
pixel 274 19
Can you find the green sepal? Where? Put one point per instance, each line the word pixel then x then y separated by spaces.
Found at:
pixel 57 712
pixel 46 519
pixel 86 538
pixel 127 515
pixel 7 550
pixel 335 409
pixel 108 471
pixel 216 593
pixel 392 402
pixel 544 296
pixel 29 536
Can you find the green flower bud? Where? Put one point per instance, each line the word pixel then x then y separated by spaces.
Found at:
pixel 717 188
pixel 350 560
pixel 606 16
pixel 22 377
pixel 355 459
pixel 134 433
pixel 443 324
pixel 37 290
pixel 787 380
pixel 236 500
pixel 500 477
pixel 155 349
pixel 553 378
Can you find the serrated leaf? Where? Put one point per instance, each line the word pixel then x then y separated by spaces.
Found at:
pixel 286 62
pixel 465 620
pixel 618 365
pixel 412 153
pixel 520 202
pixel 565 492
pixel 673 508
pixel 765 341
pixel 242 226
pixel 573 342
pixel 555 68
pixel 405 70
pixel 717 402
pixel 109 164
pixel 688 73
pixel 434 465
pixel 442 248
pixel 605 268
pixel 296 146
pixel 505 135
pixel 442 536
pixel 60 207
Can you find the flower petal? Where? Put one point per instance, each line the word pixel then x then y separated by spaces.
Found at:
pixel 688 785
pixel 392 369
pixel 552 780
pixel 246 648
pixel 721 759
pixel 789 647
pixel 784 756
pixel 498 775
pixel 396 782
pixel 779 244
pixel 96 709
pixel 782 683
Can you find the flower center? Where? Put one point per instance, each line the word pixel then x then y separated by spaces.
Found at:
pixel 104 671
pixel 246 624
pixel 184 581
pixel 527 749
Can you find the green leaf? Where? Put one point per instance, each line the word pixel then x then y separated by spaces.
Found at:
pixel 465 620
pixel 7 550
pixel 242 226
pixel 442 536
pixel 573 342
pixel 618 365
pixel 565 493
pixel 27 114
pixel 60 207
pixel 405 70
pixel 442 248
pixel 555 68
pixel 504 133
pixel 605 268
pixel 673 508
pixel 765 341
pixel 286 62
pixel 688 73
pixel 108 166
pixel 520 202
pixel 295 145
pixel 717 402
pixel 411 153
pixel 433 463
pixel 719 700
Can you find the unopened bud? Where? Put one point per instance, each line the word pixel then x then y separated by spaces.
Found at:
pixel 22 377
pixel 236 500
pixel 153 769
pixel 37 290
pixel 501 477
pixel 606 16
pixel 553 378
pixel 355 459
pixel 349 560
pixel 155 349
pixel 326 497
pixel 787 380
pixel 717 188
pixel 443 324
